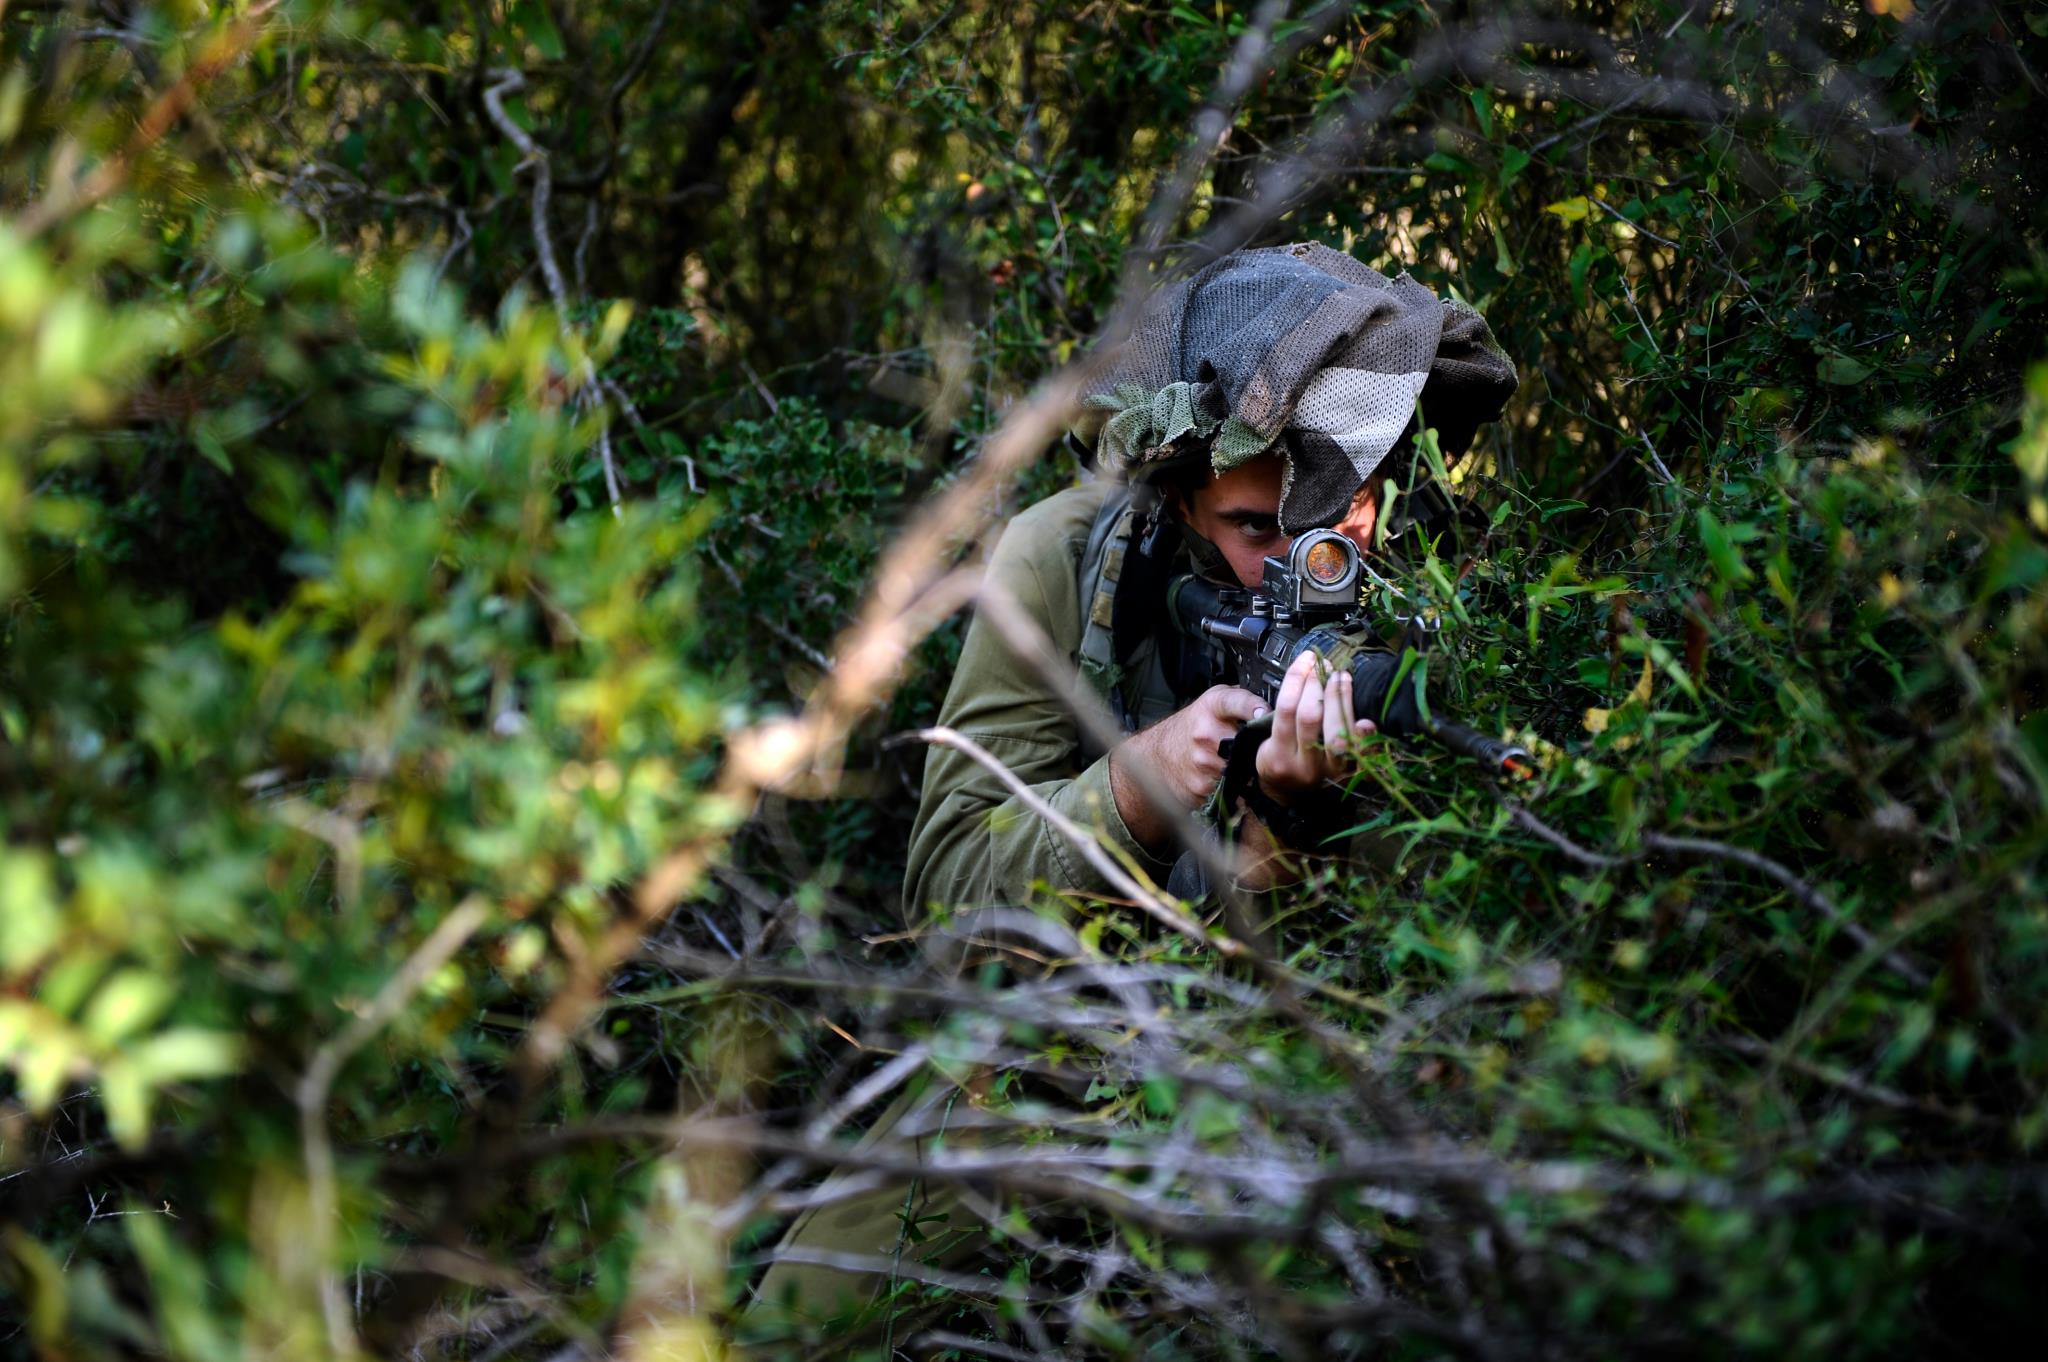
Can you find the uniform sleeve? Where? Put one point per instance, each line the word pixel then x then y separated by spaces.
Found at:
pixel 973 842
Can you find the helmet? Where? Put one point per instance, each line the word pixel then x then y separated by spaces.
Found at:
pixel 1301 348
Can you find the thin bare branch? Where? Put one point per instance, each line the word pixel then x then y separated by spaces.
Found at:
pixel 317 1082
pixel 1147 897
pixel 536 158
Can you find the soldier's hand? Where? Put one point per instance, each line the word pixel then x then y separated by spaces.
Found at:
pixel 1185 747
pixel 1315 733
pixel 1183 752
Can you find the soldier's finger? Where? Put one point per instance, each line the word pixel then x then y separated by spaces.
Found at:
pixel 1289 699
pixel 1351 719
pixel 1337 714
pixel 1308 722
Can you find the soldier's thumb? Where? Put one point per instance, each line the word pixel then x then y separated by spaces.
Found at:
pixel 1237 706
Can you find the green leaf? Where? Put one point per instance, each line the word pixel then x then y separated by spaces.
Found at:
pixel 125 1095
pixel 2015 561
pixel 1916 1024
pixel 210 448
pixel 1513 161
pixel 125 1004
pixel 29 920
pixel 70 978
pixel 1842 371
pixel 1721 551
pixel 43 1060
pixel 1576 270
pixel 1503 258
pixel 1482 109
pixel 186 1052
pixel 1991 319
pixel 41 1285
pixel 180 1290
pixel 539 27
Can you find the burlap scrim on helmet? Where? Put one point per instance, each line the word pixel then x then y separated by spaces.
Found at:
pixel 1307 348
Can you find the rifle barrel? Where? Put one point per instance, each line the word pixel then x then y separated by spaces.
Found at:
pixel 1500 755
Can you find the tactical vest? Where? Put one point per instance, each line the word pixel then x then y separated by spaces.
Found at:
pixel 1126 637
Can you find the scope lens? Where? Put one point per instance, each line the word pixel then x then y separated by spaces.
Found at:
pixel 1326 562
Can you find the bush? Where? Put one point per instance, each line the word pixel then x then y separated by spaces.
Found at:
pixel 397 961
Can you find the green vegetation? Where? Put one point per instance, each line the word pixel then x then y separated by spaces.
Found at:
pixel 437 441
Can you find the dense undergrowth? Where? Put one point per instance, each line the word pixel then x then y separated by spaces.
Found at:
pixel 390 956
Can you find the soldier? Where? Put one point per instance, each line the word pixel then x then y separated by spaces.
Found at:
pixel 1256 400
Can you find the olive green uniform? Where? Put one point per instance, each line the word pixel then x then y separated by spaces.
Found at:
pixel 1297 338
pixel 974 842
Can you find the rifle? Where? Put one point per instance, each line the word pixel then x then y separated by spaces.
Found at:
pixel 1311 600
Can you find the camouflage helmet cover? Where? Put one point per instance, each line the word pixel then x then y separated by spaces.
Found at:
pixel 1305 348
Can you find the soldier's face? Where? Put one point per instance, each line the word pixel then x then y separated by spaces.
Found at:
pixel 1239 512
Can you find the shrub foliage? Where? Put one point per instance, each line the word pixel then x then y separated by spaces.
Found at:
pixel 429 434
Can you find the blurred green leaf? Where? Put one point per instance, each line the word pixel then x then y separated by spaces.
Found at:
pixel 1842 370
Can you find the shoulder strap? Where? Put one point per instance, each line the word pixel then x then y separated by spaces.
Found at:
pixel 1101 568
pixel 1124 573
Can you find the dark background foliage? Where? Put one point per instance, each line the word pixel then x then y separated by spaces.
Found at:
pixel 432 437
